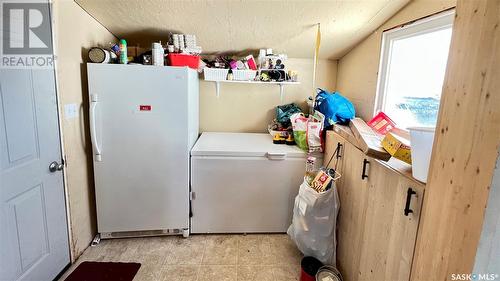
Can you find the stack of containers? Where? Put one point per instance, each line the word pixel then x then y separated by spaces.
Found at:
pixel 185 51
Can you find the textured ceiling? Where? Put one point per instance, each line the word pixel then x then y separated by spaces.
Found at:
pixel 242 25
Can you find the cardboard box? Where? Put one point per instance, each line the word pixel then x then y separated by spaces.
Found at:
pixel 346 132
pixel 397 146
pixel 368 140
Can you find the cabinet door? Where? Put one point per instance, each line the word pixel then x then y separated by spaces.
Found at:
pixel 333 159
pixel 353 193
pixel 389 235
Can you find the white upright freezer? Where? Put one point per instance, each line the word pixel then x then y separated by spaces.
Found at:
pixel 143 123
pixel 243 183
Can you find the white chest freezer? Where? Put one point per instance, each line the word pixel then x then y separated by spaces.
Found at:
pixel 243 183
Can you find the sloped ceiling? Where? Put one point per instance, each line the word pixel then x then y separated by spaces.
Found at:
pixel 243 25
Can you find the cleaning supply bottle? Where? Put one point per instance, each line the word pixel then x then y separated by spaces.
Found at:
pixel 311 169
pixel 123 51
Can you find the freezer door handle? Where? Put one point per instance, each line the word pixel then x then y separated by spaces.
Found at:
pixel 276 156
pixel 93 132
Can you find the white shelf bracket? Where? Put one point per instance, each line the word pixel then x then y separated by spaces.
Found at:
pixel 281 92
pixel 217 89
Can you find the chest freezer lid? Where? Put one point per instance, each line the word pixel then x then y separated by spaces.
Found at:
pixel 243 144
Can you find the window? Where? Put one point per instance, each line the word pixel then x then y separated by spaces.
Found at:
pixel 412 68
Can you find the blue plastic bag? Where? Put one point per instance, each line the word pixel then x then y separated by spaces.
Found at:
pixel 335 107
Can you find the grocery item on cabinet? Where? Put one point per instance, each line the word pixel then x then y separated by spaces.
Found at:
pixel 397 146
pixel 382 123
pixel 368 140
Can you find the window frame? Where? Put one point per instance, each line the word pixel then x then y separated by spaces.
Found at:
pixel 440 21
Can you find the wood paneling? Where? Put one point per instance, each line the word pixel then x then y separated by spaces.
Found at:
pixel 465 148
pixel 389 235
pixel 334 161
pixel 376 241
pixel 353 195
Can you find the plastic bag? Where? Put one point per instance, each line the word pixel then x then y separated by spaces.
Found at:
pixel 314 222
pixel 335 107
pixel 299 126
pixel 284 112
pixel 307 131
pixel 314 132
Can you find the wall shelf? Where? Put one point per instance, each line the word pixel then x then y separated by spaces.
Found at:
pixel 280 84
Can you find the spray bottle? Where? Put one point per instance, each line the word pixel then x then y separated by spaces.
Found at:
pixel 123 51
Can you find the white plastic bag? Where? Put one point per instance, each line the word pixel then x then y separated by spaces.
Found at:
pixel 314 222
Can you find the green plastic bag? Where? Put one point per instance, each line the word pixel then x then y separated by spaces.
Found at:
pixel 299 125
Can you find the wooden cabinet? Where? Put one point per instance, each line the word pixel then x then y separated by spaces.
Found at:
pixel 376 237
pixel 333 155
pixel 353 194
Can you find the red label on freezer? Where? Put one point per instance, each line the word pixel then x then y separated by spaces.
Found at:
pixel 145 107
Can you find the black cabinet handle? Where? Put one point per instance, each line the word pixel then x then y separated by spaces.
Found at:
pixel 339 150
pixel 364 175
pixel 409 193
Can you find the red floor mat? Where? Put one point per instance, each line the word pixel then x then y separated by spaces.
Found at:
pixel 104 271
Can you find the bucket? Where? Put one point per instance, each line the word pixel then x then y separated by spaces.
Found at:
pixel 421 139
pixel 309 266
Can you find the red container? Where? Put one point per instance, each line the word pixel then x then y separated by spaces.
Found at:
pixel 184 60
pixel 382 123
pixel 309 266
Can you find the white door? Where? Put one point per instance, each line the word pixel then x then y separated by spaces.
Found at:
pixel 33 233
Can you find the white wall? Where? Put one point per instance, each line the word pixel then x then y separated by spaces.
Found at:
pixel 75 31
pixel 250 108
pixel 358 70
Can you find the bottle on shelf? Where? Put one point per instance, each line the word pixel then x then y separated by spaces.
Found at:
pixel 123 52
pixel 157 54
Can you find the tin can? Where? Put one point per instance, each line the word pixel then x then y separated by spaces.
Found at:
pixel 328 273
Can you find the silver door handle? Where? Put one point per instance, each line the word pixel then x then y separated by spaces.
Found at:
pixel 93 133
pixel 54 167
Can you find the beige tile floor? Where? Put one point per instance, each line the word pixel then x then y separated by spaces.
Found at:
pixel 262 257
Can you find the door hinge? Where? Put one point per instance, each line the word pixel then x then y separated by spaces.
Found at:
pixel 192 195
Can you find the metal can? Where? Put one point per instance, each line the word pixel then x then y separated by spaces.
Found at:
pixel 328 273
